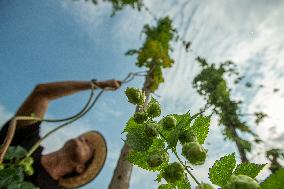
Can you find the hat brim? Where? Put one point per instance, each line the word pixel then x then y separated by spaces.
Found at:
pixel 97 163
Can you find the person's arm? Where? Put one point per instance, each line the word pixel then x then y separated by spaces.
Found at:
pixel 37 102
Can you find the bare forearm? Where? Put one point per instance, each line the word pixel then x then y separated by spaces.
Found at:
pixel 56 90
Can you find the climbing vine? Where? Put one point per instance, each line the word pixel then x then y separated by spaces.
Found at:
pixel 154 140
pixel 210 83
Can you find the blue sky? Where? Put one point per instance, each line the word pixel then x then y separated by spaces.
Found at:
pixel 44 41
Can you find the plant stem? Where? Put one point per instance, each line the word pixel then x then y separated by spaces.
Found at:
pixel 186 168
pixel 192 176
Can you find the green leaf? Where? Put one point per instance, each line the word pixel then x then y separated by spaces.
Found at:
pixel 184 184
pixel 140 158
pixel 131 124
pixel 183 121
pixel 173 139
pixel 222 170
pixel 201 128
pixel 165 186
pixel 136 139
pixel 11 175
pixel 15 152
pixel 274 181
pixel 249 169
pixel 21 185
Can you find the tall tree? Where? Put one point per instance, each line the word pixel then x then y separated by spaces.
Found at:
pixel 153 55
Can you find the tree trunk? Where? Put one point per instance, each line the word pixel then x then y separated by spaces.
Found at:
pixel 122 173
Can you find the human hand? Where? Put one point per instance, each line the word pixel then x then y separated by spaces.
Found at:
pixel 109 84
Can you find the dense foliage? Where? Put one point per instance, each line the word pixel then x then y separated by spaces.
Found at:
pixel 151 151
pixel 15 168
pixel 155 52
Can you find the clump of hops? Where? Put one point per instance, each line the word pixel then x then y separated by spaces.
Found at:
pixel 155 160
pixel 140 117
pixel 154 109
pixel 169 122
pixel 135 96
pixel 151 130
pixel 204 186
pixel 187 136
pixel 194 153
pixel 173 172
pixel 241 182
pixel 27 165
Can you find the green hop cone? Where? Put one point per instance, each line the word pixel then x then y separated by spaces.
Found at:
pixel 241 182
pixel 204 186
pixel 151 130
pixel 169 122
pixel 27 165
pixel 155 160
pixel 154 109
pixel 194 153
pixel 173 172
pixel 135 96
pixel 140 117
pixel 187 136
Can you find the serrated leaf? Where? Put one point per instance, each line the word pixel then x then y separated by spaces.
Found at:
pixel 184 184
pixel 11 175
pixel 274 181
pixel 136 139
pixel 165 186
pixel 249 169
pixel 201 128
pixel 15 152
pixel 140 158
pixel 173 139
pixel 131 124
pixel 183 120
pixel 222 170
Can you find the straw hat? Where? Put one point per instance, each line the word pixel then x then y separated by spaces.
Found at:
pixel 95 166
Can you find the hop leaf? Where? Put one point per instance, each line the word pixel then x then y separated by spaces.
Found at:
pixel 154 109
pixel 249 169
pixel 201 128
pixel 140 117
pixel 173 172
pixel 140 158
pixel 274 181
pixel 204 186
pixel 194 153
pixel 241 182
pixel 222 170
pixel 15 153
pixel 135 96
pixel 137 139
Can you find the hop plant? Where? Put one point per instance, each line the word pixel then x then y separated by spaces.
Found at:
pixel 187 136
pixel 241 182
pixel 173 172
pixel 140 117
pixel 151 130
pixel 135 96
pixel 204 186
pixel 154 109
pixel 194 153
pixel 169 122
pixel 155 160
pixel 27 165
